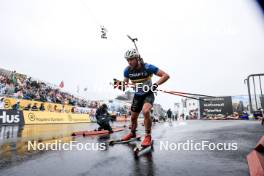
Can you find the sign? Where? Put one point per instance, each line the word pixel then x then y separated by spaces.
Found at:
pixel 37 117
pixel 218 105
pixel 11 117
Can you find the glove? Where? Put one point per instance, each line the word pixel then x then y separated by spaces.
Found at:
pixel 154 87
pixel 119 84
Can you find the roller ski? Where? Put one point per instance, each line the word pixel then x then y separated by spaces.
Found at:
pixel 125 140
pixel 145 147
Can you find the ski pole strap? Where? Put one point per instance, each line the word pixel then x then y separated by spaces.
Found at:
pixel 177 93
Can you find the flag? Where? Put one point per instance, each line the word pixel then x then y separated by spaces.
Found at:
pixel 61 84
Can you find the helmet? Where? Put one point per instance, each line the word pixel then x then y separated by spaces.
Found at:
pixel 131 53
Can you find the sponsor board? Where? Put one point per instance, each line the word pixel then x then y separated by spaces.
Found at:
pixel 218 105
pixel 35 117
pixel 11 117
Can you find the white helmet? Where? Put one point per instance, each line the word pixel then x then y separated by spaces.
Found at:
pixel 131 53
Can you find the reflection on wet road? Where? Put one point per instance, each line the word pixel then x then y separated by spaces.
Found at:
pixel 16 159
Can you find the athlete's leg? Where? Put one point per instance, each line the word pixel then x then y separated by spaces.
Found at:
pixel 134 117
pixel 100 123
pixel 106 125
pixel 136 107
pixel 147 120
pixel 148 103
pixel 148 123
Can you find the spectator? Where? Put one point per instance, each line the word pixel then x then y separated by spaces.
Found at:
pixel 19 94
pixel 34 107
pixel 42 108
pixel 2 103
pixel 26 95
pixel 42 97
pixel 16 106
pixel 13 77
pixel 169 113
pixel 48 99
pixel 73 110
pixel 55 108
pixel 2 89
pixel 28 107
pixel 63 109
pixel 10 89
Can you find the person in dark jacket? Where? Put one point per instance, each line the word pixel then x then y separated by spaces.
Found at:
pixel 42 107
pixel 34 107
pixel 28 107
pixel 169 113
pixel 103 118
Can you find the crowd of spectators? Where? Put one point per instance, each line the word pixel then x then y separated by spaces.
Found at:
pixel 233 116
pixel 20 86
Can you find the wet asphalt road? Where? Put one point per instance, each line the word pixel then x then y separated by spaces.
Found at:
pixel 16 160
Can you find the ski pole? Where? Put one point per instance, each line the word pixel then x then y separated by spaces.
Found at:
pixel 177 92
pixel 168 92
pixel 201 95
pixel 134 41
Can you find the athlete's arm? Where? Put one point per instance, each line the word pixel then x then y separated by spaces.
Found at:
pixel 163 77
pixel 126 75
pixel 122 84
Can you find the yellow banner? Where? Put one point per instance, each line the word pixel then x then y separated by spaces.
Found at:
pixel 36 117
pixel 50 107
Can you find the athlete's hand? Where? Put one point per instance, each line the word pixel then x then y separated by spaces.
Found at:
pixel 154 87
pixel 119 84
